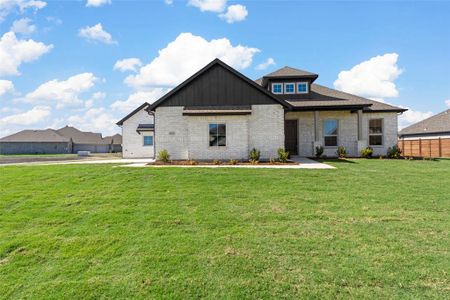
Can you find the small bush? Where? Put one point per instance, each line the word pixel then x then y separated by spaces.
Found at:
pixel 394 152
pixel 254 155
pixel 217 162
pixel 341 152
pixel 283 155
pixel 367 152
pixel 233 162
pixel 319 151
pixel 192 162
pixel 163 156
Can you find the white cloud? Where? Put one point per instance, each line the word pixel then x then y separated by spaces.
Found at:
pixel 65 92
pixel 410 117
pixel 23 26
pixel 234 13
pixel 136 99
pixel 447 102
pixel 14 52
pixel 6 86
pixel 55 20
pixel 373 78
pixel 209 5
pixel 96 34
pixel 168 2
pixel 186 55
pixel 128 64
pixel 97 3
pixel 269 62
pixel 8 6
pixel 33 116
pixel 97 96
pixel 95 120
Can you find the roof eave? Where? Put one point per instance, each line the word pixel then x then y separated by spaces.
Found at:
pixel 120 123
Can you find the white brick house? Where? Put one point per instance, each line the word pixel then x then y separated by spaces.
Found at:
pixel 218 113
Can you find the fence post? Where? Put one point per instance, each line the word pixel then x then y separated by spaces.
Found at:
pixel 440 147
pixel 420 147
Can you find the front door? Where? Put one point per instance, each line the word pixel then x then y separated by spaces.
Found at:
pixel 291 136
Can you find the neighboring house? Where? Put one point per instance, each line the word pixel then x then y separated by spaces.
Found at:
pixel 64 140
pixel 115 143
pixel 46 141
pixel 218 113
pixel 427 138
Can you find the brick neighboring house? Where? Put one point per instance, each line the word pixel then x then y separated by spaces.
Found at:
pixel 427 138
pixel 218 113
pixel 64 140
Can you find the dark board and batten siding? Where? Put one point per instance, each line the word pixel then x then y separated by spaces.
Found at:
pixel 218 86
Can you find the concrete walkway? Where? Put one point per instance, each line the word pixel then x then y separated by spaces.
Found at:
pixel 303 163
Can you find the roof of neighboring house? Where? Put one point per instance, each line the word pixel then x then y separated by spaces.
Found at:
pixel 113 139
pixel 143 105
pixel 439 123
pixel 47 135
pixel 81 137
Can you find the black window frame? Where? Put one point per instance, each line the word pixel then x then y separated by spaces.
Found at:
pixel 216 137
pixel 334 136
pixel 376 134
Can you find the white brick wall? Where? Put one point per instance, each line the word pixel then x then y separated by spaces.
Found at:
pixel 266 128
pixel 187 137
pixel 133 142
pixel 348 131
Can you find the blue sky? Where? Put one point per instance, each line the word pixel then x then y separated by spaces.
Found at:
pixel 57 58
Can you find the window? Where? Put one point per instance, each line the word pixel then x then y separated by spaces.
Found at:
pixel 330 133
pixel 148 140
pixel 217 135
pixel 277 88
pixel 376 132
pixel 302 87
pixel 289 88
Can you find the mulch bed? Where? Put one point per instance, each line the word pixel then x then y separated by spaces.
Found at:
pixel 222 163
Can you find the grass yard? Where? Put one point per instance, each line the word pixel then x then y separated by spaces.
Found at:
pixel 369 229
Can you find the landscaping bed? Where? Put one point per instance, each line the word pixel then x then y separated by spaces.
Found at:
pixel 219 163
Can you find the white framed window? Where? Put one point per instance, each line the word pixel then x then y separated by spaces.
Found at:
pixel 376 132
pixel 277 88
pixel 217 135
pixel 148 140
pixel 330 132
pixel 289 88
pixel 302 88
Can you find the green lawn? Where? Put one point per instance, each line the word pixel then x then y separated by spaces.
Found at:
pixel 369 229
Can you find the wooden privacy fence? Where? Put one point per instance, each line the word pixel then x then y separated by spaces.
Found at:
pixel 438 147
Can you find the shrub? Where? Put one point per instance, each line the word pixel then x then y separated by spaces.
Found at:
pixel 254 155
pixel 394 152
pixel 192 162
pixel 367 152
pixel 341 152
pixel 283 155
pixel 163 156
pixel 217 162
pixel 319 151
pixel 233 162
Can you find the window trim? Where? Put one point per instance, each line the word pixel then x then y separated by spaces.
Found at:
pixel 301 82
pixel 282 87
pixel 337 135
pixel 143 141
pixel 285 84
pixel 375 134
pixel 208 141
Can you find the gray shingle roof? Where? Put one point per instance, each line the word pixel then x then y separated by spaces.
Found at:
pixel 290 72
pixel 435 124
pixel 47 135
pixel 81 137
pixel 116 139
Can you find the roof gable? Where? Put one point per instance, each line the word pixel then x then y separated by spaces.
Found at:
pixel 217 84
pixel 143 105
pixel 80 137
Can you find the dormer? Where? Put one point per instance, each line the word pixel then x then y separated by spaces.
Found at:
pixel 289 81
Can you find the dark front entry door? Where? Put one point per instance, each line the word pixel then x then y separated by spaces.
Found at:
pixel 291 136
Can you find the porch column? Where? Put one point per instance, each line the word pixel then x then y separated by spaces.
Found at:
pixel 316 126
pixel 360 117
